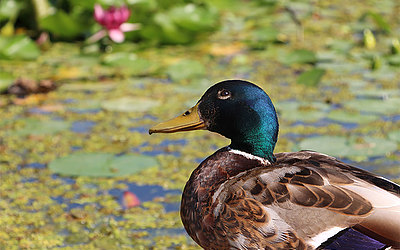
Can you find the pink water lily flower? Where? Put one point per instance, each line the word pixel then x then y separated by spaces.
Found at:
pixel 114 21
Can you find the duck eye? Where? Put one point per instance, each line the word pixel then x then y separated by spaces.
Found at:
pixel 224 94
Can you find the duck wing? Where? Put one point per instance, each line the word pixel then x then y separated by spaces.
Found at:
pixel 302 201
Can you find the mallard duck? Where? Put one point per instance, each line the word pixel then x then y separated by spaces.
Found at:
pixel 246 197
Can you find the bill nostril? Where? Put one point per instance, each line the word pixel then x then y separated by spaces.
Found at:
pixel 186 113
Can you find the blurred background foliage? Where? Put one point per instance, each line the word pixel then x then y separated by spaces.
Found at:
pixel 28 27
pixel 163 22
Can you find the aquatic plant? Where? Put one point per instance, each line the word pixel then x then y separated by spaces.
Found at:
pixel 114 23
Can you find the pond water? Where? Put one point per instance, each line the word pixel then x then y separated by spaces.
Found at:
pixel 67 157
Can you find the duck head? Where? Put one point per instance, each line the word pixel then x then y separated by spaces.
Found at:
pixel 238 110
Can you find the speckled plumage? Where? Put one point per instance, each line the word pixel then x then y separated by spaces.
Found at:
pixel 271 206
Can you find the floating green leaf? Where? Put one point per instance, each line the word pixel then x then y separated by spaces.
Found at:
pixel 386 106
pixel 265 34
pixel 40 127
pixel 380 21
pixel 130 62
pixel 6 79
pixel 129 104
pixel 332 145
pixel 305 112
pixel 311 77
pixel 101 164
pixel 18 47
pixel 299 56
pixel 185 69
pixel 9 9
pixel 349 147
pixel 170 32
pixel 304 116
pixel 194 17
pixel 61 24
pixel 395 135
pixel 376 93
pixel 394 60
pixel 354 117
pixel 82 86
pixel 395 46
pixel 342 46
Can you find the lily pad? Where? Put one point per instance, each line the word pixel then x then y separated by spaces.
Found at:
pixel 195 87
pixel 349 147
pixel 101 164
pixel 394 60
pixel 6 79
pixel 265 34
pixel 129 61
pixel 395 135
pixel 41 127
pixel 259 38
pixel 342 46
pixel 305 116
pixel 386 106
pixel 18 47
pixel 305 112
pixel 87 87
pixel 61 24
pixel 376 93
pixel 299 56
pixel 354 117
pixel 185 69
pixel 129 104
pixel 311 77
pixel 194 17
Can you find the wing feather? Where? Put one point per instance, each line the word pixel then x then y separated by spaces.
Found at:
pixel 305 195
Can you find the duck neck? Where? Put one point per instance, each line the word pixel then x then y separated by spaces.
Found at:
pixel 259 140
pixel 258 145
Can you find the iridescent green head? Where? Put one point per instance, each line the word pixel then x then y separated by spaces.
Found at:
pixel 238 110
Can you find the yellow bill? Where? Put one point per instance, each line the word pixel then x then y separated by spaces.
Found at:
pixel 190 120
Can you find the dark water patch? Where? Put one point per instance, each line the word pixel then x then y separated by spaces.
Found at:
pixel 59 199
pixel 171 207
pixel 199 160
pixel 39 111
pixel 167 142
pixel 164 81
pixel 336 106
pixel 69 100
pixel 320 123
pixel 82 126
pixel 75 148
pixel 66 180
pixel 140 129
pixel 144 117
pixel 296 136
pixel 333 89
pixel 153 232
pixel 144 192
pixel 160 152
pixel 29 180
pixel 345 125
pixel 394 118
pixel 34 165
pixel 72 205
pixel 85 111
